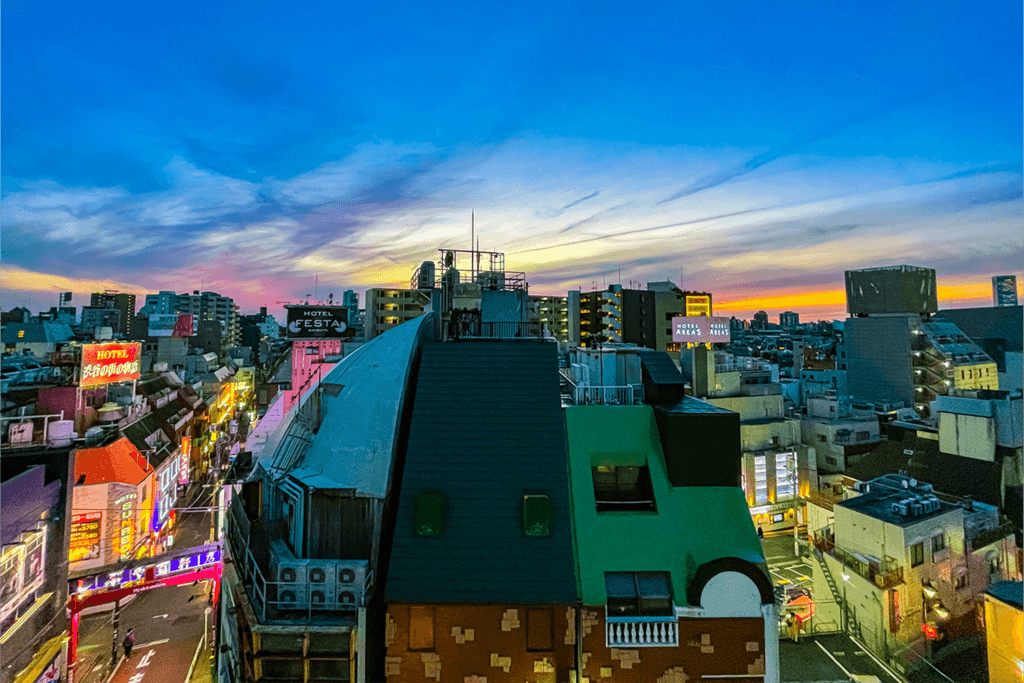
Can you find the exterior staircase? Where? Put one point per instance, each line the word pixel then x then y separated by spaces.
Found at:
pixel 837 596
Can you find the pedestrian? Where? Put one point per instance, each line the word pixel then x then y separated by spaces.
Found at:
pixel 128 643
pixel 760 533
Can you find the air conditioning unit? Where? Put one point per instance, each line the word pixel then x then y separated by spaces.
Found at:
pixel 290 576
pixel 931 504
pixel 900 508
pixel 321 575
pixel 20 433
pixel 350 583
pixel 917 508
pixel 862 487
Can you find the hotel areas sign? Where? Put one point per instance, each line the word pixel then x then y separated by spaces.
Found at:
pixel 108 363
pixel 700 330
pixel 318 322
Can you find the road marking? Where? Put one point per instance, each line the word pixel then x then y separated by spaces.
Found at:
pixel 839 654
pixel 145 660
pixel 833 659
pixel 155 642
pixel 161 616
pixel 87 647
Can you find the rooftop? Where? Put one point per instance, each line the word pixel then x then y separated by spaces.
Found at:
pixel 119 462
pixel 1010 592
pixel 893 488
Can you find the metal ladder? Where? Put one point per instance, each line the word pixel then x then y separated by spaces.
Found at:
pixel 836 595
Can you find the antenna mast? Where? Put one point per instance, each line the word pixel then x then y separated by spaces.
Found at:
pixel 472 240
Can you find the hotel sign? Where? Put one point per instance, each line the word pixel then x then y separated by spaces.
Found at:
pixel 700 330
pixel 698 305
pixel 108 363
pixel 318 322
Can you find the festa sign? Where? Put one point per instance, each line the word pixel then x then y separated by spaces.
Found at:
pixel 108 363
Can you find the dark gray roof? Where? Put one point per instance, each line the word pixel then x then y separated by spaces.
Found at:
pixel 487 428
pixel 990 322
pixel 920 458
pixel 660 367
pixel 689 404
pixel 37 333
pixel 137 432
pixel 1010 592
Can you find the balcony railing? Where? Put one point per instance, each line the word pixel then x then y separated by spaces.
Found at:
pixel 459 330
pixel 627 395
pixel 641 632
pixel 885 573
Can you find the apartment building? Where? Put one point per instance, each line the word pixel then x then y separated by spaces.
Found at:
pixel 840 434
pixel 902 561
pixel 125 303
pixel 389 308
pixel 551 312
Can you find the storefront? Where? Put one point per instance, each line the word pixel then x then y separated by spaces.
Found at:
pixel 778 516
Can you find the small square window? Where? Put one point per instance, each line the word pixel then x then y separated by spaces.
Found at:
pixel 938 543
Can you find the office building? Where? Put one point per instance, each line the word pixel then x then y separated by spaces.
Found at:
pixel 760 321
pixel 120 301
pixel 1004 290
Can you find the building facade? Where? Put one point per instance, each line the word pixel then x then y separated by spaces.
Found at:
pixel 118 300
pixel 389 308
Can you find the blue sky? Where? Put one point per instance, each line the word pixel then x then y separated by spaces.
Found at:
pixel 758 149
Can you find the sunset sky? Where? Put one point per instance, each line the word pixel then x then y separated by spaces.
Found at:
pixel 754 150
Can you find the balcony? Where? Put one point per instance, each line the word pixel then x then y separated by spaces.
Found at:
pixel 628 632
pixel 885 573
pixel 990 536
pixel 466 328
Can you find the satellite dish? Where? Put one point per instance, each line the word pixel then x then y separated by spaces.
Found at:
pixel 904 482
pixel 913 483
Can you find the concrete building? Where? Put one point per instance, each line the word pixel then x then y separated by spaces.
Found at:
pixel 553 313
pixel 900 560
pixel 118 300
pixel 389 308
pixel 999 331
pixel 95 318
pixel 840 434
pixel 789 320
pixel 39 339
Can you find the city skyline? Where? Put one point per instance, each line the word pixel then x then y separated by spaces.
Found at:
pixel 752 152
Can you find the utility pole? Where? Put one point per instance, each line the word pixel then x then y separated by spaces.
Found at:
pixel 113 645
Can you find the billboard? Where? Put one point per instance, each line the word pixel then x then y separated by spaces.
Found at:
pixel 698 305
pixel 172 325
pixel 85 536
pixel 318 322
pixel 185 463
pixel 891 289
pixel 107 363
pixel 700 330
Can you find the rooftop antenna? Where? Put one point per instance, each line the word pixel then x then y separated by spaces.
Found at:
pixel 316 287
pixel 472 239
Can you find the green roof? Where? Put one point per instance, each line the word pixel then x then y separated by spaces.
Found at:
pixel 692 525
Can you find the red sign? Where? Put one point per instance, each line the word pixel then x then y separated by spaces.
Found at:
pixel 85 536
pixel 186 452
pixel 107 363
pixel 930 631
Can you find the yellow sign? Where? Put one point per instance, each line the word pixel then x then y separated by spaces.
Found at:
pixel 698 305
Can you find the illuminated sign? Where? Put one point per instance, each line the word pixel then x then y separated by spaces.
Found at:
pixel 204 557
pixel 126 536
pixel 698 305
pixel 930 631
pixel 318 322
pixel 106 363
pixel 186 453
pixel 85 536
pixel 700 330
pixel 171 325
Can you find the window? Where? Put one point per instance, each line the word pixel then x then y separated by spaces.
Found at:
pixel 863 436
pixel 938 543
pixel 539 629
pixel 993 563
pixel 644 594
pixel 429 514
pixel 760 480
pixel 821 438
pixel 623 487
pixel 917 554
pixel 421 628
pixel 784 475
pixel 537 515
pixel 831 461
pixel 961 580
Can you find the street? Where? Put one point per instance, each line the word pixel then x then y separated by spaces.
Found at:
pixel 829 658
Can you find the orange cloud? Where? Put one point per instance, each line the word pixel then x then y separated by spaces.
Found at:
pixel 21 280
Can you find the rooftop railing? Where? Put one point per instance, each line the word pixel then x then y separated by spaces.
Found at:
pixel 463 329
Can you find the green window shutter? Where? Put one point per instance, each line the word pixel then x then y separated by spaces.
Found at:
pixel 429 514
pixel 537 515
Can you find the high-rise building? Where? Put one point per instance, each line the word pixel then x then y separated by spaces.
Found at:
pixel 122 302
pixel 552 312
pixel 760 321
pixel 789 320
pixel 1004 290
